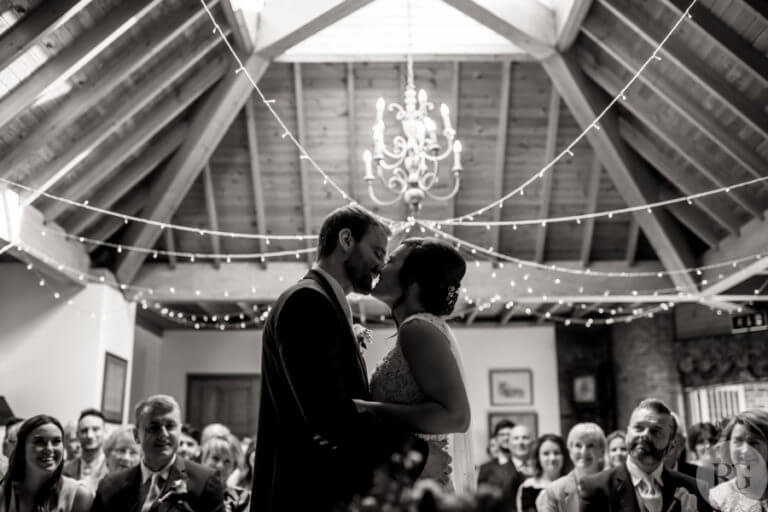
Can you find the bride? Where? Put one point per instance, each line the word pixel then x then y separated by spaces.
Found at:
pixel 420 382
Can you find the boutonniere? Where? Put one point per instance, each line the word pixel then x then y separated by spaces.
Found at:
pixel 174 496
pixel 362 335
pixel 688 501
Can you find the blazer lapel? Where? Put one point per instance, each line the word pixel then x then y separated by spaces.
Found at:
pixel 342 317
pixel 132 489
pixel 668 483
pixel 625 492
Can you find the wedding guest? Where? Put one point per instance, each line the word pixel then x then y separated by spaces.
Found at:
pixel 189 443
pixel 617 449
pixel 162 476
pixel 214 430
pixel 492 449
pixel 243 475
pixel 121 449
pixel 586 449
pixel 675 458
pixel 643 483
pixel 746 451
pixel 35 482
pixel 702 438
pixel 224 455
pixel 11 429
pixel 91 466
pixel 501 472
pixel 520 448
pixel 548 464
pixel 71 442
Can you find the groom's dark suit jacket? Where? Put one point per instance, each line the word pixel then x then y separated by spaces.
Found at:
pixel 612 491
pixel 121 491
pixel 314 449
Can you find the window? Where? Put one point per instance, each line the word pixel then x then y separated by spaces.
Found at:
pixel 713 403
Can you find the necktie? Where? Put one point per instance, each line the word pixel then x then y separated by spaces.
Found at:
pixel 153 494
pixel 649 494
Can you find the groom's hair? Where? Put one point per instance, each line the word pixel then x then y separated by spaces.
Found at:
pixel 352 217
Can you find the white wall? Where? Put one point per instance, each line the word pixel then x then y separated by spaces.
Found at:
pixel 147 349
pixel 51 352
pixel 186 352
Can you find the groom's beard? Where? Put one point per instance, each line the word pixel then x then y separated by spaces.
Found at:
pixel 361 278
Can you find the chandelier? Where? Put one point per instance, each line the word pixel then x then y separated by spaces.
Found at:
pixel 411 167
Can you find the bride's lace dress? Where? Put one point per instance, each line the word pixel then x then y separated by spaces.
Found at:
pixel 393 382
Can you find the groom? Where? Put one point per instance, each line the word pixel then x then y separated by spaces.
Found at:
pixel 314 449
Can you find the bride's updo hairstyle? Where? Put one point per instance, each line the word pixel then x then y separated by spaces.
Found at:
pixel 438 268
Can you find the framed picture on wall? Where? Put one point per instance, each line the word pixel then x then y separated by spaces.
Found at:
pixel 528 418
pixel 113 389
pixel 513 386
pixel 585 389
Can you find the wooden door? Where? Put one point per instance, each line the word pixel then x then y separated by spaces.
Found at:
pixel 229 399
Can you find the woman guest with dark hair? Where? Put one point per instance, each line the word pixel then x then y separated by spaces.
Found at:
pixel 548 463
pixel 745 443
pixel 616 449
pixel 189 443
pixel 702 438
pixel 35 482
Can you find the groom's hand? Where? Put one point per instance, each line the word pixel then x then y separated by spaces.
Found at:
pixel 438 461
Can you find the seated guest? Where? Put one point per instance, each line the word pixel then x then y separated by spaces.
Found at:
pixel 502 473
pixel 71 442
pixel 121 449
pixel 224 455
pixel 162 476
pixel 189 443
pixel 548 464
pixel 214 430
pixel 746 451
pixel 35 482
pixel 643 483
pixel 617 449
pixel 702 438
pixel 586 448
pixel 91 466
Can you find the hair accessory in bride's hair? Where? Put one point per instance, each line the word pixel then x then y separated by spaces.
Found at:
pixel 451 297
pixel 363 335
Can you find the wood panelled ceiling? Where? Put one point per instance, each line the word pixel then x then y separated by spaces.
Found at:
pixel 696 120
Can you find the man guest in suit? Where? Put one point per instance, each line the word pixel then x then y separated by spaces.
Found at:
pixel 314 449
pixel 502 472
pixel 644 484
pixel 91 466
pixel 163 480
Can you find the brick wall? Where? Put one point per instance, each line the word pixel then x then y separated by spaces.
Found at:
pixel 644 363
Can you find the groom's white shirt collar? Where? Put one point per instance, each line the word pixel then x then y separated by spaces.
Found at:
pixel 338 290
pixel 637 474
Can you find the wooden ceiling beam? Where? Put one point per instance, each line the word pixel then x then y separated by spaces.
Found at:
pixel 170 245
pixel 210 208
pixel 688 184
pixel 283 25
pixel 650 116
pixel 73 57
pixel 633 235
pixel 497 188
pixel 207 128
pixel 700 225
pixel 188 91
pixel 34 27
pixel 456 101
pixel 132 204
pixel 753 240
pixel 759 7
pixel 128 178
pixel 115 72
pixel 351 57
pixel 726 38
pixel 304 176
pixel 352 159
pixel 528 25
pixel 240 33
pixel 634 181
pixel 593 189
pixel 255 169
pixel 569 16
pixel 553 122
pixel 633 15
pixel 598 29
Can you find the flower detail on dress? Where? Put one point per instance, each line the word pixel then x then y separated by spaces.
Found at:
pixel 363 335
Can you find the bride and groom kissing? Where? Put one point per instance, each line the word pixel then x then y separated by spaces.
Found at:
pixel 323 428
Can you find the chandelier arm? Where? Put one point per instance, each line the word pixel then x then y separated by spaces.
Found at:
pixel 378 201
pixel 456 184
pixel 391 166
pixel 442 156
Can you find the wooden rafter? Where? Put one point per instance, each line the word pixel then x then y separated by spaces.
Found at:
pixel 501 148
pixel 611 83
pixel 236 20
pixel 633 180
pixel 687 183
pixel 207 128
pixel 691 108
pixel 633 15
pixel 456 99
pixel 529 25
pixel 633 235
pixel 472 316
pixel 301 132
pixel 129 176
pixel 753 240
pixel 210 207
pixel 132 204
pixel 73 57
pixel 553 122
pixel 507 315
pixel 700 225
pixel 582 312
pixel 352 159
pixel 593 189
pixel 285 24
pixel 569 17
pixel 170 245
pixel 255 168
pixel 35 26
pixel 759 7
pixel 725 37
pixel 132 104
pixel 114 73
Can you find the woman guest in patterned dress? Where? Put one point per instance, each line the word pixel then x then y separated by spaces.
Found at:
pixel 34 482
pixel 224 455
pixel 549 463
pixel 745 443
